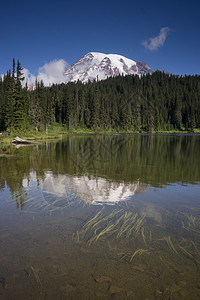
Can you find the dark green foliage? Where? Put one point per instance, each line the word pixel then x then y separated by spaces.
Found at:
pixel 12 100
pixel 18 100
pixel 150 103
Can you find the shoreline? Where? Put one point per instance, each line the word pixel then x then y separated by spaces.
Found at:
pixel 42 137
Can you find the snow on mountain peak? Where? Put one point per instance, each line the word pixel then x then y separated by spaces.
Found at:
pixel 99 66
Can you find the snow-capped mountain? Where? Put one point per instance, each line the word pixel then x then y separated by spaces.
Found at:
pixel 100 66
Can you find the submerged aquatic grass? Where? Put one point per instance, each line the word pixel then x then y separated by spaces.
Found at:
pixel 118 223
pixel 36 275
pixel 130 228
pixel 191 223
pixel 185 251
pixel 169 243
pixel 143 236
pixel 139 252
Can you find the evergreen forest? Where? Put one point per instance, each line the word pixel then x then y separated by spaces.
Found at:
pixel 157 102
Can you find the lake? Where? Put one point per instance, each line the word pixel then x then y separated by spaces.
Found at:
pixel 101 217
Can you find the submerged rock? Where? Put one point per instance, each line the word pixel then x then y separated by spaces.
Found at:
pixel 115 289
pixel 103 279
pixel 158 293
pixel 3 282
pixel 174 288
pixel 182 283
pixel 130 294
pixel 69 287
pixel 138 268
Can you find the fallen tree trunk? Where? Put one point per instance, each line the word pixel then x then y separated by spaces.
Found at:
pixel 17 140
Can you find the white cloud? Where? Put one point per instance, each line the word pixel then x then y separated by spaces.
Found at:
pixel 29 78
pixel 154 43
pixel 49 73
pixel 52 72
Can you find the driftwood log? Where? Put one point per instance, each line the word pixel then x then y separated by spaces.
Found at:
pixel 17 140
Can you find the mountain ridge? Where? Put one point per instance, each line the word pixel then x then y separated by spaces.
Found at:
pixel 100 66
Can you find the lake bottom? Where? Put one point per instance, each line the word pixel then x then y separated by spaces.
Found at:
pixel 147 247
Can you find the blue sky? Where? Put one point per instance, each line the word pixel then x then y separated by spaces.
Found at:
pixel 38 32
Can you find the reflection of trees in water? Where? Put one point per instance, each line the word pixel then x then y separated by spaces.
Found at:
pixel 19 197
pixel 152 159
pixel 155 160
pixel 14 168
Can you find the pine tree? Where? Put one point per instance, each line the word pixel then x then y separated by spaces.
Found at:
pixel 19 111
pixel 9 87
pixel 35 109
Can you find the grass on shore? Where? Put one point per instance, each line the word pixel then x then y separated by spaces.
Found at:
pixel 53 133
pixel 57 131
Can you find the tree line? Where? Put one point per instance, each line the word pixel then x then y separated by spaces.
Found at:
pixel 131 103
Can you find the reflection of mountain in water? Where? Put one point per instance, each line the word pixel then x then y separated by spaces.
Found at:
pixel 155 160
pixel 90 189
